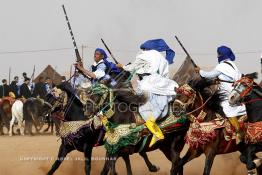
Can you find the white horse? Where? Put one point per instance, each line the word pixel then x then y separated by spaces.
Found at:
pixel 17 114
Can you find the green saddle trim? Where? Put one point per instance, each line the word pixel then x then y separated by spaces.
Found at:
pixel 119 136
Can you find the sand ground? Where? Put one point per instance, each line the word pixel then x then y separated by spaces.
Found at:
pixel 34 155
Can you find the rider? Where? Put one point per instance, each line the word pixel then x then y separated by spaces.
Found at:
pixel 227 72
pixel 101 67
pixel 152 69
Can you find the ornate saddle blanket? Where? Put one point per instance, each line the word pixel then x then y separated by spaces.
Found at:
pixel 71 130
pixel 130 134
pixel 253 133
pixel 200 134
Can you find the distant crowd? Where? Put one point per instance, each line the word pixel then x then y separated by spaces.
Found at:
pixel 25 88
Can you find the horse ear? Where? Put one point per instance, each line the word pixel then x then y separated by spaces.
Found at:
pixel 253 75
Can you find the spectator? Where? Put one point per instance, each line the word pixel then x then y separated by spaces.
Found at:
pixel 4 89
pixel 40 90
pixel 14 87
pixel 24 89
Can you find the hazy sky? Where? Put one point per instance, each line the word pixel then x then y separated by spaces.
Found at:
pixel 201 25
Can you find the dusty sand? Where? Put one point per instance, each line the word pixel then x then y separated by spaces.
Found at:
pixel 14 150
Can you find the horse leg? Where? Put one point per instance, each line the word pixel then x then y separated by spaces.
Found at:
pixel 250 156
pixel 88 154
pixel 259 170
pixel 29 128
pixel 63 151
pixel 210 153
pixel 20 126
pixel 176 148
pixel 128 164
pixel 150 166
pixel 48 126
pixel 11 125
pixel 190 155
pixel 52 126
pixel 106 167
pixel 112 160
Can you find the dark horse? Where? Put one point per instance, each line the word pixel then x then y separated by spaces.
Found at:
pixel 34 111
pixel 214 145
pixel 125 106
pixel 249 93
pixel 90 136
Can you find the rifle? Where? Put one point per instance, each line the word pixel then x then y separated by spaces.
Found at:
pixel 78 58
pixel 53 77
pixel 109 51
pixel 33 74
pixel 32 79
pixel 185 51
pixel 9 75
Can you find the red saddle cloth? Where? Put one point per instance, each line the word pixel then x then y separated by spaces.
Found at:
pixel 200 134
pixel 253 132
pixel 5 100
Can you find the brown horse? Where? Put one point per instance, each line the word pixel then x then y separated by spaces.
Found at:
pixel 210 143
pixel 125 108
pixel 5 112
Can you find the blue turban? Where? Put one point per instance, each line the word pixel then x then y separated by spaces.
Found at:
pixel 108 64
pixel 160 46
pixel 225 53
pixel 102 52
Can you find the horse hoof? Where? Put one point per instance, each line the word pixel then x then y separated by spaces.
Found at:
pixel 243 159
pixel 154 168
pixel 251 166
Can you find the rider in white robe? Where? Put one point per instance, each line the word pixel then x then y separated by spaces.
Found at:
pixel 227 73
pixel 152 68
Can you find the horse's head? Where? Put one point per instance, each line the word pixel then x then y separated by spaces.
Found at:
pixel 95 98
pixel 56 99
pixel 197 96
pixel 242 89
pixel 185 98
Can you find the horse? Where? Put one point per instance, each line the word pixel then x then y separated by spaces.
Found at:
pixel 87 137
pixel 31 111
pixel 17 115
pixel 250 94
pixel 124 107
pixel 214 142
pixel 5 112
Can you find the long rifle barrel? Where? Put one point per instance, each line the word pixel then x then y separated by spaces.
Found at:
pixel 109 51
pixel 185 51
pixel 78 58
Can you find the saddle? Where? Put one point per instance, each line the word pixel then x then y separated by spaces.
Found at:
pixel 201 133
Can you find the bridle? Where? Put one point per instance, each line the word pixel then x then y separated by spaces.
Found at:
pixel 189 93
pixel 248 83
pixel 245 81
pixel 105 94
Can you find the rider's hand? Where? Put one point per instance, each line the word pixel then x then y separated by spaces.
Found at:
pixel 119 65
pixel 78 66
pixel 197 69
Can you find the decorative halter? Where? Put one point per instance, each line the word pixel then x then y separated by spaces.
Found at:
pixel 104 92
pixel 247 82
pixel 187 91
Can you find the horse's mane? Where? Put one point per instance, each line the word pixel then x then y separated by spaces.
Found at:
pixel 208 89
